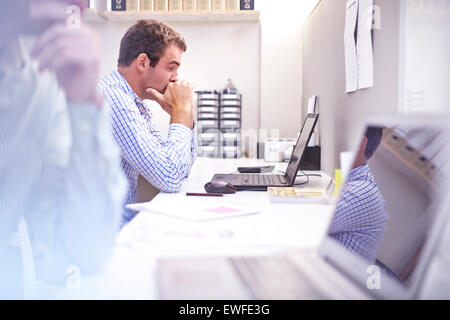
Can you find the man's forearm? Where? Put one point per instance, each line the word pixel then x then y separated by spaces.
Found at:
pixel 182 118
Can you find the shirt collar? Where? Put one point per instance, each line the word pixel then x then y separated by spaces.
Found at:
pixel 120 80
pixel 362 172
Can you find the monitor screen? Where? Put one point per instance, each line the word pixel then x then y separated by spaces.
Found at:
pixel 302 143
pixel 391 197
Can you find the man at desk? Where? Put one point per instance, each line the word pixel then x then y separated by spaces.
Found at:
pixel 150 55
pixel 360 218
pixel 59 166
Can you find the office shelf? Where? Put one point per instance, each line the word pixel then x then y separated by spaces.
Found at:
pixel 410 161
pixel 91 15
pixel 241 16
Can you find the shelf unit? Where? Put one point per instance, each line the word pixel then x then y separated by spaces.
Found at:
pixel 413 163
pixel 92 15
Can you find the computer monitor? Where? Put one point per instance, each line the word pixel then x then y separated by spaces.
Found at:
pixel 300 147
pixel 392 205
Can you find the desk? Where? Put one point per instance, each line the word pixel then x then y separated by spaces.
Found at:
pixel 131 273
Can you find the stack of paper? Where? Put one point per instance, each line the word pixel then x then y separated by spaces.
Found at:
pixel 297 195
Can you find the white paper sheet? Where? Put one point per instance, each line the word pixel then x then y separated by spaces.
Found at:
pixel 351 60
pixel 195 209
pixel 364 45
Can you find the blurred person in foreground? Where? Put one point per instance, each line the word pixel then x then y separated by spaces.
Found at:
pixel 59 165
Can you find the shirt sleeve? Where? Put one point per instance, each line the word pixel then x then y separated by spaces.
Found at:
pixel 344 219
pixel 164 165
pixel 194 145
pixel 360 209
pixel 95 187
pixel 79 199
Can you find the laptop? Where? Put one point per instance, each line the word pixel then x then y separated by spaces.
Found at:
pixel 382 234
pixel 260 182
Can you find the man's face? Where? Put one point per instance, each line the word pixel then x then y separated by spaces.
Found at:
pixel 165 71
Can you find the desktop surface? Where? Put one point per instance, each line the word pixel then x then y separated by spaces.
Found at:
pixel 131 271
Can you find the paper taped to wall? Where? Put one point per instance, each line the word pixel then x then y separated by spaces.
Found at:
pixel 364 45
pixel 351 62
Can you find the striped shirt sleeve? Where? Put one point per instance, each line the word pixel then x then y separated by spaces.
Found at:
pixel 165 165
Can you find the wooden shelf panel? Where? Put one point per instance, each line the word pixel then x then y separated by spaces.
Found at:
pixel 91 15
pixel 250 16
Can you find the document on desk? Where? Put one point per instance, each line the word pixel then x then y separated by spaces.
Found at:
pixel 351 58
pixel 364 46
pixel 195 209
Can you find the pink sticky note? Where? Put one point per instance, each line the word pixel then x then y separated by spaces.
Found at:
pixel 222 210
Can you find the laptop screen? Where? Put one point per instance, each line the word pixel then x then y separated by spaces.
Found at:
pixel 391 197
pixel 299 149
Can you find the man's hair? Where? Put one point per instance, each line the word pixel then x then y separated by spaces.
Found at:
pixel 373 135
pixel 150 37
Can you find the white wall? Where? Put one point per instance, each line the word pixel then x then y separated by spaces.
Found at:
pixel 263 60
pixel 216 52
pixel 282 63
pixel 342 115
pixel 425 56
pixel 407 200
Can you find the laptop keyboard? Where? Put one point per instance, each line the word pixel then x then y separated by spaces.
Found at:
pixel 262 179
pixel 273 278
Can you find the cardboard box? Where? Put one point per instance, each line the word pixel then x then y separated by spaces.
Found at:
pixel 175 5
pixel 232 5
pixel 146 6
pixel 203 5
pixel 189 5
pixel 217 5
pixel 132 6
pixel 160 5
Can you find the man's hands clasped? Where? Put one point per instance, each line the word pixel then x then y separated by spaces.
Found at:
pixel 177 101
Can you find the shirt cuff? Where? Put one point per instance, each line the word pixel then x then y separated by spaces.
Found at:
pixel 194 143
pixel 181 132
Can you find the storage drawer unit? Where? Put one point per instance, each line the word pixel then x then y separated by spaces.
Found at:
pixel 209 151
pixel 207 124
pixel 231 138
pixel 206 103
pixel 208 116
pixel 202 95
pixel 209 138
pixel 231 152
pixel 208 109
pixel 221 112
pixel 232 116
pixel 230 124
